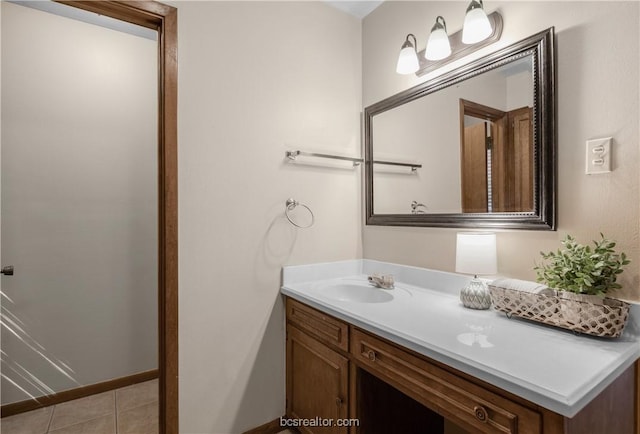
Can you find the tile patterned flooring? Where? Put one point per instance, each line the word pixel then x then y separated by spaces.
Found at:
pixel 129 410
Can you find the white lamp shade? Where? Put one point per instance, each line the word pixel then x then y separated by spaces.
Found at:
pixel 476 26
pixel 438 46
pixel 407 61
pixel 476 253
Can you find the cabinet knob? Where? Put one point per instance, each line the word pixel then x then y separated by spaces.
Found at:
pixel 371 355
pixel 338 401
pixel 481 413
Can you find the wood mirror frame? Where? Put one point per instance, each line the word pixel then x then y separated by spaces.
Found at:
pixel 164 19
pixel 540 47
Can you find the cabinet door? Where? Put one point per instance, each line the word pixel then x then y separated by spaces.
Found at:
pixel 317 383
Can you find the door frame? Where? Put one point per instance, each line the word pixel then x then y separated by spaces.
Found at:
pixel 164 19
pixel 490 114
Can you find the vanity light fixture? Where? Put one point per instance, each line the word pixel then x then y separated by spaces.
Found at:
pixel 476 254
pixel 479 31
pixel 476 24
pixel 438 46
pixel 408 58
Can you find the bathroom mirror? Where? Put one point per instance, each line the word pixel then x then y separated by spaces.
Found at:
pixel 474 147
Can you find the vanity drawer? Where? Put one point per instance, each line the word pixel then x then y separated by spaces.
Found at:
pixel 321 326
pixel 465 403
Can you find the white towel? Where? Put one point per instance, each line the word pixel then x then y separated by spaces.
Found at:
pixel 523 285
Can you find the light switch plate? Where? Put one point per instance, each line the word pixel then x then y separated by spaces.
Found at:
pixel 598 156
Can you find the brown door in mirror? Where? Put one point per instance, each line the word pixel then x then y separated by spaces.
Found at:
pixel 496 152
pixel 474 168
pixel 512 174
pixel 521 178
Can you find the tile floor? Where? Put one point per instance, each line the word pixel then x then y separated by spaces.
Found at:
pixel 129 410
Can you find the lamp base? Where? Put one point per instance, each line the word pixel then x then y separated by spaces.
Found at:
pixel 476 295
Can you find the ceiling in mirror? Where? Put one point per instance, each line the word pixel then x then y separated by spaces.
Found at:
pixel 484 137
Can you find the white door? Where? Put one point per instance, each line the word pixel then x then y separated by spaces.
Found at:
pixel 79 203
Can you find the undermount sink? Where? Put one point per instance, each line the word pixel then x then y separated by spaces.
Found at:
pixel 357 293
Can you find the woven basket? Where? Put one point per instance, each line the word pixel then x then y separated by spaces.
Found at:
pixel 605 320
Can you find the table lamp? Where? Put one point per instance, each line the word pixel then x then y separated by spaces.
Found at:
pixel 476 254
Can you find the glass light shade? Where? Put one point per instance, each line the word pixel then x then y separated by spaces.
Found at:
pixel 476 24
pixel 476 253
pixel 407 60
pixel 438 46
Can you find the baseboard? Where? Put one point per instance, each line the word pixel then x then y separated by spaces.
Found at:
pixel 272 427
pixel 80 392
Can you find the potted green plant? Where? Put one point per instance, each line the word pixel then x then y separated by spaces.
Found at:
pixel 582 272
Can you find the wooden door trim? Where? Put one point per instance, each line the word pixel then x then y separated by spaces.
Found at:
pixel 164 19
pixel 477 110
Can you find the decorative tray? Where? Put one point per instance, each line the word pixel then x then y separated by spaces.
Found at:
pixel 604 320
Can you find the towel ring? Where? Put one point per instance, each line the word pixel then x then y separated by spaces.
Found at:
pixel 291 204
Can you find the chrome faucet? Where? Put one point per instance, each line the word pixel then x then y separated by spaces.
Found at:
pixel 384 281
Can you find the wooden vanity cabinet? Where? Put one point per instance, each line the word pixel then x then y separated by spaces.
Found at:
pixel 317 367
pixel 335 370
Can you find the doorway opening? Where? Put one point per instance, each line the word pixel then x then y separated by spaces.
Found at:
pixel 163 20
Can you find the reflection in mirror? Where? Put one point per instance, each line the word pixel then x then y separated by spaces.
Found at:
pixel 496 153
pixel 484 135
pixel 468 128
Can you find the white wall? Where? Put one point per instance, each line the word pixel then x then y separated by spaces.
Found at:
pixel 597 96
pixel 79 207
pixel 255 79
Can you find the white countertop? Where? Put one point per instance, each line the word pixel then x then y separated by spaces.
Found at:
pixel 551 367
